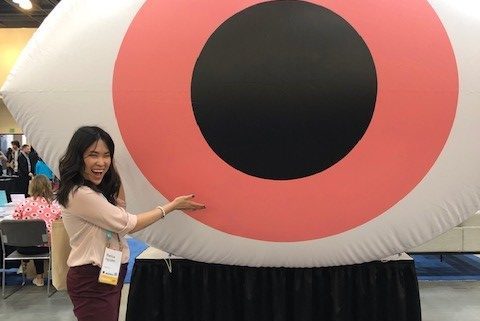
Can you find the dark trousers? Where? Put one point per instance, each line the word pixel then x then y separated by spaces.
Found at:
pixel 93 300
pixel 30 250
pixel 22 186
pixel 21 183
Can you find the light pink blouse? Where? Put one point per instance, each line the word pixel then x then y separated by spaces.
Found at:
pixel 87 218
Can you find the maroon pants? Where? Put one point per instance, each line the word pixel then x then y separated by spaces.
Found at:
pixel 93 300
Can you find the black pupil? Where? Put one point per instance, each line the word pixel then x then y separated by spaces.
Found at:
pixel 284 89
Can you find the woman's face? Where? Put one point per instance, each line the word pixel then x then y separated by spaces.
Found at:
pixel 97 160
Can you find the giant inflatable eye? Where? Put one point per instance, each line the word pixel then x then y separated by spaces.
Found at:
pixel 317 133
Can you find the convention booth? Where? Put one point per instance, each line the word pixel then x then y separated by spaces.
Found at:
pixel 165 287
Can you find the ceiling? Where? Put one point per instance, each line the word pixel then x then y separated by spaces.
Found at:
pixel 12 16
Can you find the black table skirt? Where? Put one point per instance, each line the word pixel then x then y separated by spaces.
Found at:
pixel 8 185
pixel 11 184
pixel 199 291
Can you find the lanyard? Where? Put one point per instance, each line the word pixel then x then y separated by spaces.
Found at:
pixel 112 260
pixel 109 235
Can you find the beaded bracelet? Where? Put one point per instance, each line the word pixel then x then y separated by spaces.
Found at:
pixel 163 211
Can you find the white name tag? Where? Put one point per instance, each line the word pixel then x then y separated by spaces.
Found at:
pixel 112 259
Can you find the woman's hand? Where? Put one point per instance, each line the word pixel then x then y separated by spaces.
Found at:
pixel 186 203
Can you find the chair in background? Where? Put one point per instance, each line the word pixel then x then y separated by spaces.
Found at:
pixel 19 233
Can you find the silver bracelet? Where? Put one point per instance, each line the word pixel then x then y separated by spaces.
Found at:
pixel 163 211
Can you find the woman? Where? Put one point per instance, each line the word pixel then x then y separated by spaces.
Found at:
pixel 96 223
pixel 40 205
pixel 10 161
pixel 3 162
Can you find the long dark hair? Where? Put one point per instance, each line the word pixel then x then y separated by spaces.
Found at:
pixel 72 166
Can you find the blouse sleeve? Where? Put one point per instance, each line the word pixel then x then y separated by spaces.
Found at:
pixel 94 208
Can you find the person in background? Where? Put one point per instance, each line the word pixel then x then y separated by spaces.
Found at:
pixel 42 169
pixel 15 153
pixel 9 163
pixel 24 170
pixel 96 221
pixel 40 205
pixel 3 162
pixel 33 156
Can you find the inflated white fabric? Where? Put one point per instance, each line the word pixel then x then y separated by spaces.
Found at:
pixel 63 80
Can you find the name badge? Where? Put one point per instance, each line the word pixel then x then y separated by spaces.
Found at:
pixel 112 259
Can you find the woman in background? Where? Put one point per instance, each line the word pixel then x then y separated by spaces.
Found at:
pixel 39 206
pixel 9 164
pixel 3 162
